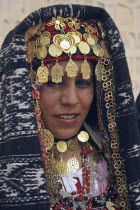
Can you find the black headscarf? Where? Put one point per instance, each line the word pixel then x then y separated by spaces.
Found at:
pixel 22 177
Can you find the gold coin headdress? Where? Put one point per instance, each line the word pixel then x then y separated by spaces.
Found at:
pixel 62 38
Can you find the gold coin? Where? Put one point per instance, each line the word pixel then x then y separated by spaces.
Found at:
pixel 83 136
pixel 44 40
pixel 72 50
pixel 84 47
pixel 61 146
pixel 91 40
pixel 41 52
pixel 72 144
pixel 96 49
pixel 54 51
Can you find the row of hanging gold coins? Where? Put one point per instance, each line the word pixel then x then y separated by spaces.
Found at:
pixel 105 75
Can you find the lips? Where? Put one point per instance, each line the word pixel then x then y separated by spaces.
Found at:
pixel 67 116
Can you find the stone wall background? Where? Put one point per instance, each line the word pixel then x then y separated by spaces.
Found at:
pixel 126 14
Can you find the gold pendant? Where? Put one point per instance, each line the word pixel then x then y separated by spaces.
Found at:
pixel 48 137
pixel 71 68
pixel 42 73
pixel 57 73
pixel 72 144
pixel 61 167
pixel 73 165
pixel 85 70
pixel 83 136
pixel 110 205
pixel 61 146
pixel 98 71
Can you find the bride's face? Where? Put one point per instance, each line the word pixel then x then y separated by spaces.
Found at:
pixel 65 105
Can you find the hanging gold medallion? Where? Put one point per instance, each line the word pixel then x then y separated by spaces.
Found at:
pixel 110 205
pixel 61 146
pixel 83 136
pixel 85 70
pixel 84 47
pixel 57 73
pixel 72 144
pixel 48 137
pixel 71 68
pixel 42 73
pixel 98 72
pixel 41 52
pixel 61 167
pixel 54 51
pixel 73 165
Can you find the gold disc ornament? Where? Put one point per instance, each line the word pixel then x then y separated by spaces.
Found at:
pixel 61 167
pixel 54 51
pixel 72 144
pixel 73 165
pixel 48 137
pixel 83 136
pixel 84 47
pixel 61 146
pixel 41 52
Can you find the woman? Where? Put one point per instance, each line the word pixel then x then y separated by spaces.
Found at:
pixel 68 144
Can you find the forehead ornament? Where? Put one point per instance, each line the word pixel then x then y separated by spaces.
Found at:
pixel 69 36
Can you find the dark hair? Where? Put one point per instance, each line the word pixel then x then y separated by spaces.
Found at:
pixel 92 118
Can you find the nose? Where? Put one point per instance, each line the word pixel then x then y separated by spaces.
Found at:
pixel 70 95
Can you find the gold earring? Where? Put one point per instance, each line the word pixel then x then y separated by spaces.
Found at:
pixel 71 68
pixel 57 73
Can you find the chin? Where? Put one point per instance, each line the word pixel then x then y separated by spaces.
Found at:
pixel 65 134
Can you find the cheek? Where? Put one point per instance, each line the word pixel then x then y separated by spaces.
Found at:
pixel 87 98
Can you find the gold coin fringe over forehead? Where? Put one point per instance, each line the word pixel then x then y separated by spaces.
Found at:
pixel 68 37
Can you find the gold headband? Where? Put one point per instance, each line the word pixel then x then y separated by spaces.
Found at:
pixel 75 37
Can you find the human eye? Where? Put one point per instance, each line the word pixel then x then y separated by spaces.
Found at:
pixel 53 84
pixel 83 83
